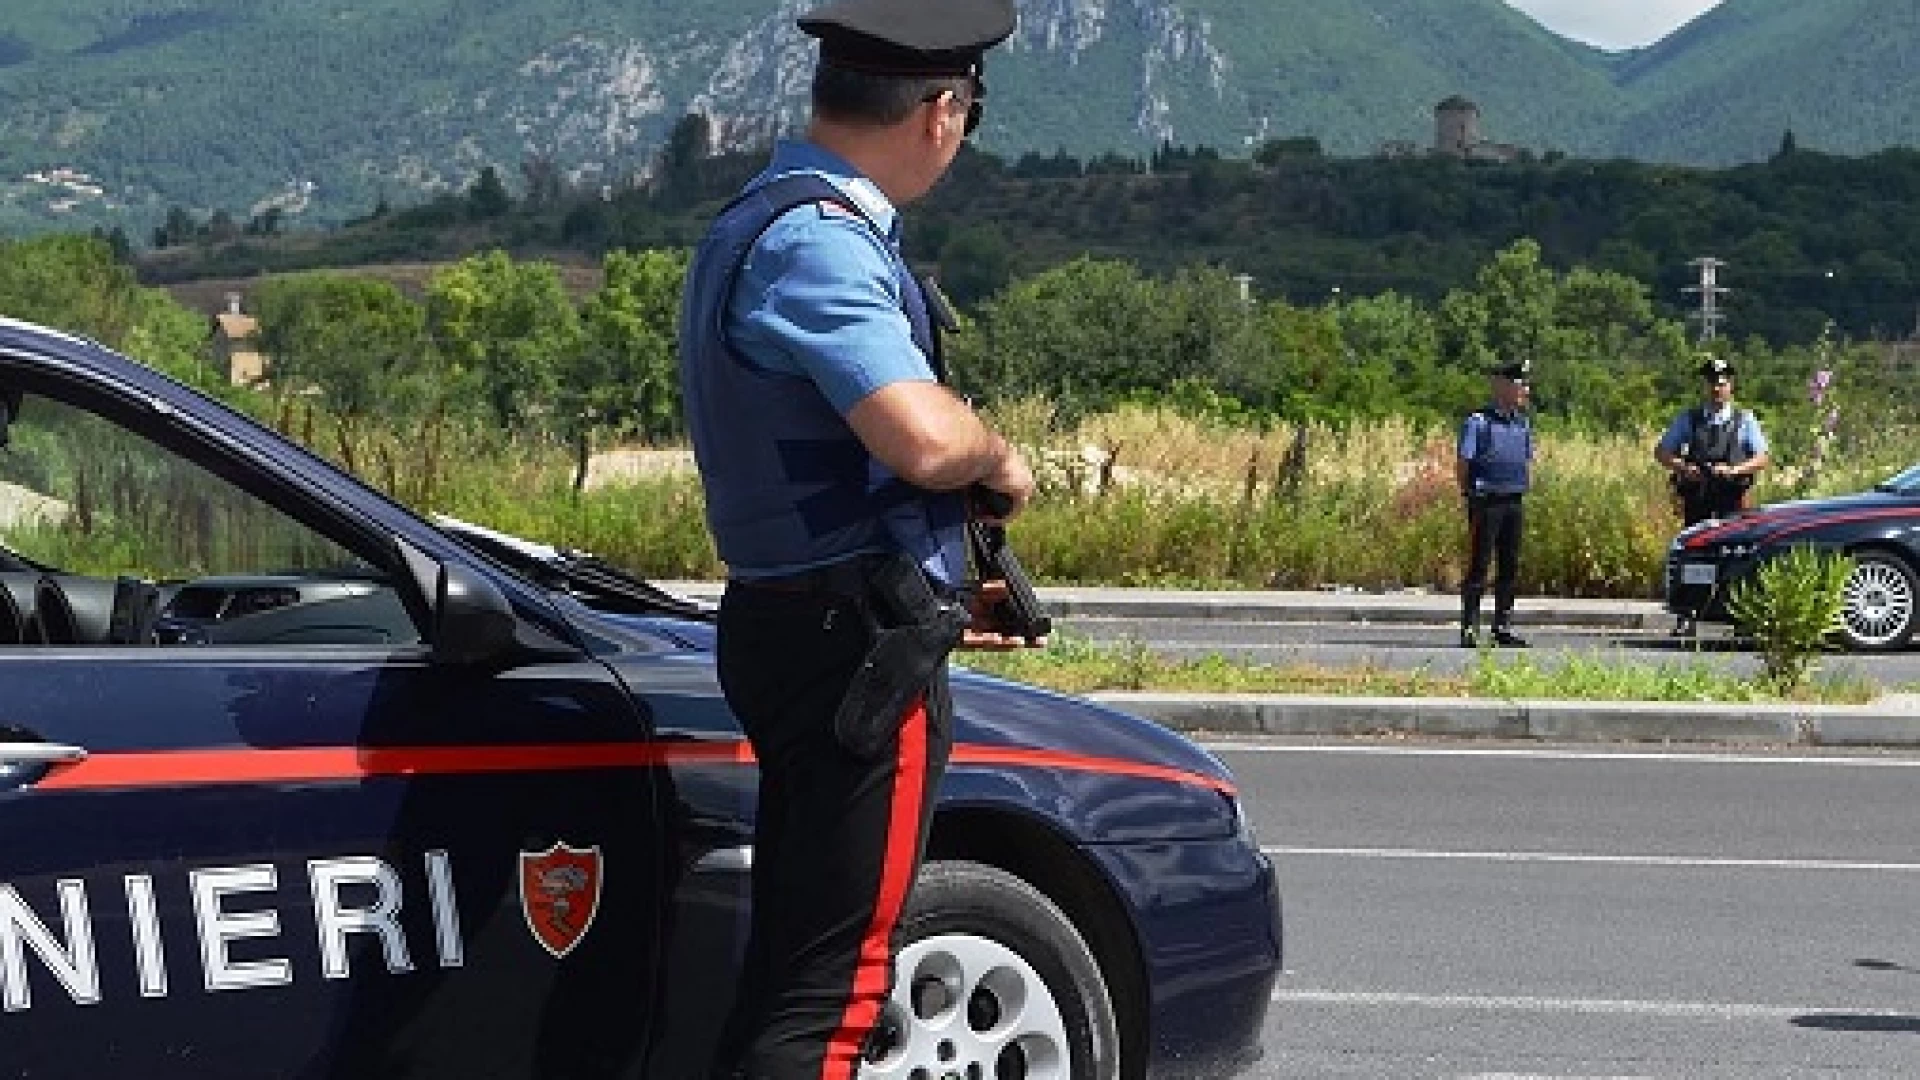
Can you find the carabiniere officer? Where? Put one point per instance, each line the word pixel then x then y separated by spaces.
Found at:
pixel 834 463
pixel 1494 470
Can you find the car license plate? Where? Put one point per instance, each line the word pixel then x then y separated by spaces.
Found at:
pixel 1697 574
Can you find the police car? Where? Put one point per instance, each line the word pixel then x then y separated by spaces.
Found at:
pixel 295 783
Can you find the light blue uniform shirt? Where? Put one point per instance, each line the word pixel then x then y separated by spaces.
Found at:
pixel 819 295
pixel 1750 437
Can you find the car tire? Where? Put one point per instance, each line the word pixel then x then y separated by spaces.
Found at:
pixel 1878 607
pixel 991 981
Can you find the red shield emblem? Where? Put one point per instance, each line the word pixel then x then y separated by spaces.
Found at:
pixel 560 894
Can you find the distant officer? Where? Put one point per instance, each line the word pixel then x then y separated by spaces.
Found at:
pixel 1494 469
pixel 1711 452
pixel 834 464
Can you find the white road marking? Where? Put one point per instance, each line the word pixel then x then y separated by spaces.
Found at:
pixel 1574 755
pixel 1544 1077
pixel 1671 1010
pixel 1681 861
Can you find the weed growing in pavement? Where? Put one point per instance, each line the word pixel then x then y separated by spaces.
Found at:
pixel 1590 679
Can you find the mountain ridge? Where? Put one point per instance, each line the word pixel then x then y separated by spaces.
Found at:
pixel 212 103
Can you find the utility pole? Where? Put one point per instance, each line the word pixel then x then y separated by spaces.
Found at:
pixel 1709 316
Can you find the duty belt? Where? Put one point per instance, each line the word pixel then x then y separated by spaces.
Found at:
pixel 848 577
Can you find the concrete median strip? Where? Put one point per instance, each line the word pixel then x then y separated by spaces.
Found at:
pixel 1894 721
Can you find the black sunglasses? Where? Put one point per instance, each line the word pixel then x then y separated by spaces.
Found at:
pixel 975 105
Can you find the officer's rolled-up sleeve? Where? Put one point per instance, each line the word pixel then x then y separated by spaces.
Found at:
pixel 1755 439
pixel 1468 447
pixel 819 292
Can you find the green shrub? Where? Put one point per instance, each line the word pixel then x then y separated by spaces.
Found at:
pixel 1790 606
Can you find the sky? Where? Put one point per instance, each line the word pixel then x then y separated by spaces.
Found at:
pixel 1613 24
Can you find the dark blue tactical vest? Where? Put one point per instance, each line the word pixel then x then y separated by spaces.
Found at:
pixel 789 487
pixel 1502 464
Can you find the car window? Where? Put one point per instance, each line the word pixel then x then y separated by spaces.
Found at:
pixel 126 529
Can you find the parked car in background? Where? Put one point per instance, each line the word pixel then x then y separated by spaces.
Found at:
pixel 296 783
pixel 1879 529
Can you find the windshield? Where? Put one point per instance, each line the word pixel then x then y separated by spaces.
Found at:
pixel 1906 483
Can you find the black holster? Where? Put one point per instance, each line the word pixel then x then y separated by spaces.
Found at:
pixel 912 630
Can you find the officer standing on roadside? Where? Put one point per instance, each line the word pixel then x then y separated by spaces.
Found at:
pixel 1494 469
pixel 1711 452
pixel 835 465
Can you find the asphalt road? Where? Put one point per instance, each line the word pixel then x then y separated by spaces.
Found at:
pixel 1539 911
pixel 1400 646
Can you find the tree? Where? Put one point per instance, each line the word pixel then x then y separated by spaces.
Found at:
pixel 1085 334
pixel 1274 151
pixel 975 263
pixel 70 283
pixel 357 341
pixel 508 326
pixel 676 173
pixel 487 197
pixel 77 284
pixel 624 375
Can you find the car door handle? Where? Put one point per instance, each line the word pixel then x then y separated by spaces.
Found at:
pixel 35 753
pixel 727 860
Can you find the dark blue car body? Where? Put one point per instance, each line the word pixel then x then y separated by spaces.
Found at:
pixel 452 819
pixel 1879 530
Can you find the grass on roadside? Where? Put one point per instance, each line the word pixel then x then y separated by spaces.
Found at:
pixel 1079 665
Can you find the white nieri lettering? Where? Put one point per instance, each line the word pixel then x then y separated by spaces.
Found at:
pixel 217 928
pixel 74 964
pixel 150 959
pixel 446 910
pixel 334 920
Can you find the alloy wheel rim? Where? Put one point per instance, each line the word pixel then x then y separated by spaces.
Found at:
pixel 966 1007
pixel 1878 603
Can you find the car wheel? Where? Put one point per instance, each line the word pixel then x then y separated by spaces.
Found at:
pixel 1877 609
pixel 992 982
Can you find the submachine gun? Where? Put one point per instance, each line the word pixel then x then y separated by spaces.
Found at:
pixel 1018 613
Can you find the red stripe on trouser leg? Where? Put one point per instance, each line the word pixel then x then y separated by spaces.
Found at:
pixel 872 969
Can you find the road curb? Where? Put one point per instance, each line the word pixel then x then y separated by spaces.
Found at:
pixel 1547 721
pixel 1410 608
pixel 1337 608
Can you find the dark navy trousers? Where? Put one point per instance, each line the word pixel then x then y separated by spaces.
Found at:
pixel 1494 523
pixel 838 837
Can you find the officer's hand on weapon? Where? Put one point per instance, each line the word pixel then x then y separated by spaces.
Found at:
pixel 1013 480
pixel 1004 611
pixel 984 632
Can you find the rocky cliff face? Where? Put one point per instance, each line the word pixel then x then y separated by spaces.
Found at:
pixel 1064 31
pixel 600 103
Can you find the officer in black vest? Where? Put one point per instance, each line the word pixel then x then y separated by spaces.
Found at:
pixel 835 467
pixel 1494 469
pixel 1712 452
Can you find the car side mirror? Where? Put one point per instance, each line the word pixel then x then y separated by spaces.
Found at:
pixel 473 624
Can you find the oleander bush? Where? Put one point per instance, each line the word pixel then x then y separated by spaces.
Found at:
pixel 1790 607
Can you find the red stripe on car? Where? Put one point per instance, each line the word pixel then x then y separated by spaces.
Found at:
pixel 187 768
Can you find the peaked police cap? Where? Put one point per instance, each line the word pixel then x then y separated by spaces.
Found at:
pixel 909 38
pixel 1715 369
